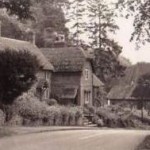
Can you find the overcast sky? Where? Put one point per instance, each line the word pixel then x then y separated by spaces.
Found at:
pixel 129 49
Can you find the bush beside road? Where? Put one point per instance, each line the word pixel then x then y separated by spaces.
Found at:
pixel 145 145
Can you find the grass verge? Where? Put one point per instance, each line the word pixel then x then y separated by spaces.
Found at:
pixel 145 145
pixel 5 132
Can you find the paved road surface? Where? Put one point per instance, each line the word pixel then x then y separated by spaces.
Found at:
pixel 75 140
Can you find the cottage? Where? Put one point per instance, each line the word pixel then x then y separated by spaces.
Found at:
pixel 18 45
pixel 72 79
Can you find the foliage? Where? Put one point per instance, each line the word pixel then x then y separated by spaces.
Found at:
pixel 145 145
pixel 140 11
pixel 45 14
pixel 76 17
pixel 101 98
pixel 142 89
pixel 100 26
pixel 4 131
pixel 107 66
pixel 2 118
pixel 117 116
pixel 16 120
pixel 100 123
pixel 37 113
pixel 10 27
pixel 20 8
pixel 101 23
pixel 17 74
pixel 50 102
pixel 48 14
pixel 30 107
pixel 88 109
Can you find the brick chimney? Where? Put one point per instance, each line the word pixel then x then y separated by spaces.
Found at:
pixel 30 36
pixel 53 38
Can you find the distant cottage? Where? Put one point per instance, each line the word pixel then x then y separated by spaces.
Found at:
pixel 73 80
pixel 123 90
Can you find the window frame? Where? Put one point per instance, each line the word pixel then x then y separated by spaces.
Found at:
pixel 86 74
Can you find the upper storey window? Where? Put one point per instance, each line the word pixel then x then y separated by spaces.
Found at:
pixel 86 74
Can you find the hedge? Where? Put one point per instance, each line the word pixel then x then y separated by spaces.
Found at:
pixel 32 112
pixel 2 118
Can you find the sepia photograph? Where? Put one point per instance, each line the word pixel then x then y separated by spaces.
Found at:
pixel 74 74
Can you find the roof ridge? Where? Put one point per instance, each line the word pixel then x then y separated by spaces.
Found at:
pixel 19 45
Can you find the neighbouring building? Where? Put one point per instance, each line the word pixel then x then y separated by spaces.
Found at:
pixel 18 45
pixel 123 90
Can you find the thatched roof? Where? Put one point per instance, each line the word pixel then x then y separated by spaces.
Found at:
pixel 66 59
pixel 121 92
pixel 97 82
pixel 127 84
pixel 18 45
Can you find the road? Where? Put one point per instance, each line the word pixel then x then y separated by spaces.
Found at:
pixel 75 140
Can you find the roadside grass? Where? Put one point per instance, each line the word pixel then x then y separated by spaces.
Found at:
pixel 145 145
pixel 5 132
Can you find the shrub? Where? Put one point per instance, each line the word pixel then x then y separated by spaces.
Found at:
pixel 118 116
pixel 36 113
pixel 72 114
pixel 57 116
pixel 2 118
pixel 31 109
pixel 65 115
pixel 100 123
pixel 95 119
pixel 110 119
pixel 145 145
pixel 15 121
pixel 78 116
pixel 61 115
pixel 16 78
pixel 50 102
pixel 89 109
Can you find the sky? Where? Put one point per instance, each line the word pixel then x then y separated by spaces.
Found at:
pixel 129 48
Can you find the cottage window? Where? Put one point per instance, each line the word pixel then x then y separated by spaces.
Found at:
pixel 47 78
pixel 87 96
pixel 86 74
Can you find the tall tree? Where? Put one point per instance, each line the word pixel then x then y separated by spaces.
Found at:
pixel 76 17
pixel 48 14
pixel 45 14
pixel 101 22
pixel 140 11
pixel 11 27
pixel 20 8
pixel 100 26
